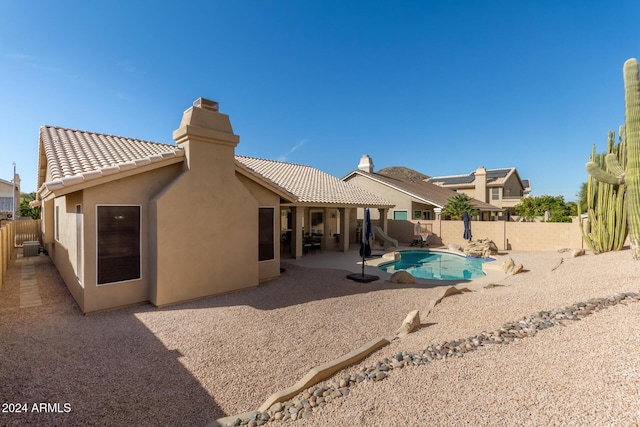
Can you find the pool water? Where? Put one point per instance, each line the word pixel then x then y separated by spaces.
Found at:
pixel 437 265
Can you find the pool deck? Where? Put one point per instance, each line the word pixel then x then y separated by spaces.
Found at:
pixel 351 261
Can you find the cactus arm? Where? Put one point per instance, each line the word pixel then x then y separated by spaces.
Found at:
pixel 596 172
pixel 614 167
pixel 632 136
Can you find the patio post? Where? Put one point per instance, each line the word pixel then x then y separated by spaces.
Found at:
pixel 382 222
pixel 297 220
pixel 345 214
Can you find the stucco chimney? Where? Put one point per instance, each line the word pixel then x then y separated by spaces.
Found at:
pixel 480 184
pixel 207 137
pixel 366 164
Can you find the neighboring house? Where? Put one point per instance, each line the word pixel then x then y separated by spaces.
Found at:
pixel 127 221
pixel 413 200
pixel 502 188
pixel 8 196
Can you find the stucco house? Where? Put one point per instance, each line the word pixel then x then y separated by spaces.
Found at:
pixel 8 195
pixel 127 221
pixel 502 187
pixel 413 199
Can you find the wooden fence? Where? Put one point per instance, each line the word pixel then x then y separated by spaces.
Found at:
pixel 27 230
pixel 6 247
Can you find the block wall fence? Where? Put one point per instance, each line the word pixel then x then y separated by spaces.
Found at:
pixel 521 236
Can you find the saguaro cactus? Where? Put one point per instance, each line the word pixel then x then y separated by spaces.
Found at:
pixel 606 227
pixel 628 176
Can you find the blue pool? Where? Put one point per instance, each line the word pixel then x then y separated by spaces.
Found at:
pixel 437 265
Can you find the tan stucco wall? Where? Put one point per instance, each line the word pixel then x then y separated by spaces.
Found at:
pixel 63 249
pixel 134 190
pixel 265 198
pixel 402 202
pixel 525 236
pixel 206 221
pixel 206 235
pixel 513 186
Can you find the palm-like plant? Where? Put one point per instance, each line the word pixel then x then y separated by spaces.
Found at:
pixel 457 205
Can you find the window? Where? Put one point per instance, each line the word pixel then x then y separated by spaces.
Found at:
pixel 400 215
pixel 266 228
pixel 118 236
pixel 422 215
pixel 495 194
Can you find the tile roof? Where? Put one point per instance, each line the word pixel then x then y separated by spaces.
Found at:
pixel 421 190
pixel 75 156
pixel 311 185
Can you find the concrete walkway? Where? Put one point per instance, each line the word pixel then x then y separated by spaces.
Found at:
pixel 29 290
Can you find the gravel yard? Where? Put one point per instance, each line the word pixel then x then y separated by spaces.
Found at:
pixel 192 363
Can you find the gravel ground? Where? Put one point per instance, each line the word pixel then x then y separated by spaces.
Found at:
pixel 191 363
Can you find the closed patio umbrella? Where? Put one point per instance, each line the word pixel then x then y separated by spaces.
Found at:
pixel 365 250
pixel 467 226
pixel 365 246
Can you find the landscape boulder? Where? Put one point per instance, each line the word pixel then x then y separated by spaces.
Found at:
pixel 409 324
pixel 576 253
pixel 510 267
pixel 403 277
pixel 481 248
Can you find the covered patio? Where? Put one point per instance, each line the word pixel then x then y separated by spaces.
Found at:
pixel 308 228
pixel 320 210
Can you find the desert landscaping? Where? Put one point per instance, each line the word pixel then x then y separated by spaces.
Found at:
pixel 194 363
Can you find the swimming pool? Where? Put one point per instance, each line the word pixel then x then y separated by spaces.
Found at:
pixel 427 264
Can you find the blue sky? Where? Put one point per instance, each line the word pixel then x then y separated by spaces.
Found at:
pixel 438 86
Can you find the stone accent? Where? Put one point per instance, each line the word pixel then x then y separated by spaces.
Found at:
pixel 481 248
pixel 409 324
pixel 576 253
pixel 510 267
pixel 317 396
pixel 403 277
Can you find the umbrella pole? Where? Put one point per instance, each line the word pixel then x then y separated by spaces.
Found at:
pixel 363 278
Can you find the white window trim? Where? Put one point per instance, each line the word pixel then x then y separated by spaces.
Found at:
pixel 274 234
pixel 141 233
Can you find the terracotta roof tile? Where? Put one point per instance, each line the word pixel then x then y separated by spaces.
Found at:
pixel 74 156
pixel 311 185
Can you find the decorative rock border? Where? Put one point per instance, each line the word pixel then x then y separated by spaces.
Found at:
pixel 320 395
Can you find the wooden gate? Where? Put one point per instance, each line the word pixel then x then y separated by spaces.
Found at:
pixel 27 230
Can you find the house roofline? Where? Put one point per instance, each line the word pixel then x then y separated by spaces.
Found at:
pixel 409 193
